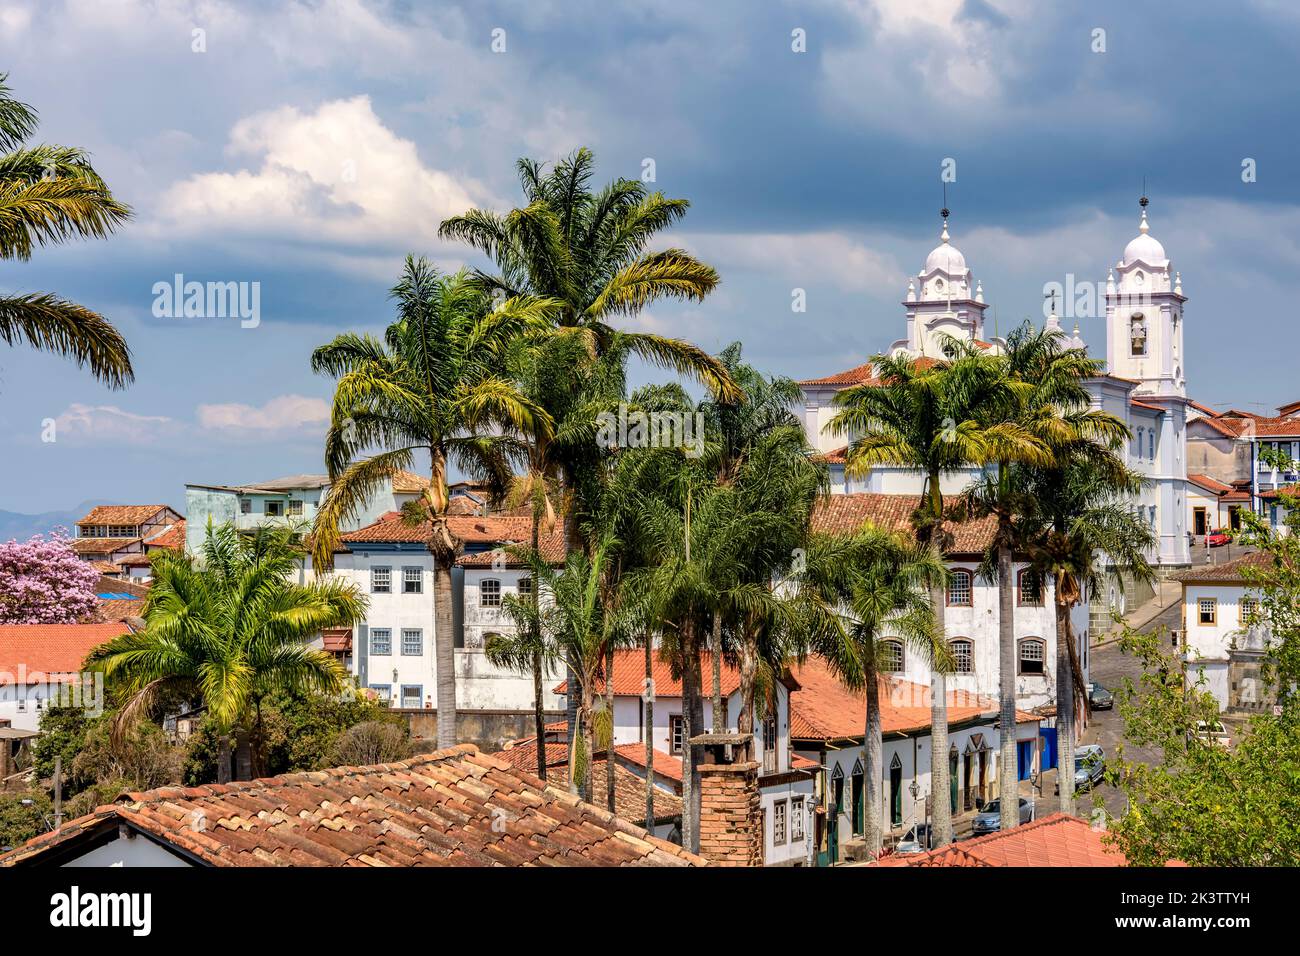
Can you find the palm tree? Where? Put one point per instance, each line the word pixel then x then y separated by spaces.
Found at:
pixel 926 415
pixel 434 386
pixel 1044 395
pixel 229 628
pixel 579 626
pixel 1079 529
pixel 50 194
pixel 865 591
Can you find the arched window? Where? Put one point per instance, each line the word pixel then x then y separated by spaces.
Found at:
pixel 1033 656
pixel 959 589
pixel 1030 588
pixel 891 657
pixel 837 789
pixel 858 817
pixel 895 792
pixel 1137 333
pixel 1137 447
pixel 963 655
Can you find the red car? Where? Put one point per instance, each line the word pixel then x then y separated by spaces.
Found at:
pixel 1216 539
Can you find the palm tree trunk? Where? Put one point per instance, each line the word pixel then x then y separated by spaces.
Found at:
pixel 690 727
pixel 719 726
pixel 539 718
pixel 572 541
pixel 223 759
pixel 1064 708
pixel 648 696
pixel 1008 777
pixel 940 797
pixel 748 674
pixel 872 764
pixel 444 650
pixel 589 745
pixel 609 711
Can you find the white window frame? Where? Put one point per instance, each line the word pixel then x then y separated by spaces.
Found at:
pixel 796 819
pixel 402 696
pixel 415 576
pixel 378 586
pixel 895 654
pixel 1041 660
pixel 419 637
pixel 967 579
pixel 388 636
pixel 969 645
pixel 780 817
pixel 1201 611
pixel 294 508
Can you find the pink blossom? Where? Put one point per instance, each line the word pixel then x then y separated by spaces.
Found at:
pixel 42 581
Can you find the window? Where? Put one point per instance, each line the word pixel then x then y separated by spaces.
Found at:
pixel 1030 590
pixel 1151 445
pixel 1247 609
pixel 412 641
pixel 1032 656
pixel 891 657
pixel 1137 447
pixel 381 580
pixel 489 593
pixel 295 507
pixel 778 822
pixel 769 744
pixel 796 820
pixel 123 531
pixel 1137 330
pixel 525 587
pixel 245 506
pixel 1207 610
pixel 383 691
pixel 22 705
pixel 412 694
pixel 273 509
pixel 675 728
pixel 959 589
pixel 381 642
pixel 964 662
pixel 412 581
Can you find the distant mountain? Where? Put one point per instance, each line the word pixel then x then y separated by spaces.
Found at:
pixel 14 524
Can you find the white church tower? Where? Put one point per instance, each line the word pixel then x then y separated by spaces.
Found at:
pixel 943 298
pixel 1144 317
pixel 1147 386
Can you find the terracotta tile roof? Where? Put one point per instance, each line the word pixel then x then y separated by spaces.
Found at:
pixel 1290 408
pixel 1277 427
pixel 1209 484
pixel 551 545
pixel 629 789
pixel 100 545
pixel 1236 495
pixel 107 568
pixel 666 765
pixel 408 483
pixel 140 560
pixel 1230 571
pixel 629 675
pixel 173 538
pixel 865 374
pixel 1137 403
pixel 1290 490
pixel 441 809
pixel 1054 840
pixel 115 610
pixel 1230 427
pixel 845 514
pixel 470 529
pixel 42 649
pixel 836 456
pixel 824 709
pixel 121 514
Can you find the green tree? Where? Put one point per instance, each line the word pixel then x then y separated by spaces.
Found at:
pixel 24 814
pixel 859 593
pixel 436 385
pixel 229 628
pixel 928 415
pixel 48 195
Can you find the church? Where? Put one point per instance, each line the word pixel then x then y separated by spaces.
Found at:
pixel 1144 385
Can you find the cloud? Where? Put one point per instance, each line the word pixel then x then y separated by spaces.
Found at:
pixel 851 263
pixel 336 174
pixel 109 424
pixel 285 413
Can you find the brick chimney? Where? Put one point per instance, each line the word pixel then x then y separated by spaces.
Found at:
pixel 731 831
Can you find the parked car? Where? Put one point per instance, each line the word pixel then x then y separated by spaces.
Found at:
pixel 989 820
pixel 1212 732
pixel 1089 767
pixel 1217 539
pixel 1099 697
pixel 915 840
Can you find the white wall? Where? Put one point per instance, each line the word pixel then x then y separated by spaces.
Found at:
pixel 1207 646
pixel 132 851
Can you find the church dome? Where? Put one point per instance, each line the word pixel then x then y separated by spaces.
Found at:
pixel 945 256
pixel 1145 246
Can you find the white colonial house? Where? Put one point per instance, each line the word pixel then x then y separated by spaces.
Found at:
pixel 827 726
pixel 392 651
pixel 785 780
pixel 1224 642
pixel 42 663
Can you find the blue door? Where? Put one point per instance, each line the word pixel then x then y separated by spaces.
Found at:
pixel 1024 759
pixel 1049 747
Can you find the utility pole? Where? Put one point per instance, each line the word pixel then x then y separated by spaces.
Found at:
pixel 58 791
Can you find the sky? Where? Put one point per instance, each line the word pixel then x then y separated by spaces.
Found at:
pixel 307 147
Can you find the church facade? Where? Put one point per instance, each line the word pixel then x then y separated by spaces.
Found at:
pixel 1144 385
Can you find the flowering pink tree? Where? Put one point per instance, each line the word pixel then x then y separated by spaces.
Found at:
pixel 42 581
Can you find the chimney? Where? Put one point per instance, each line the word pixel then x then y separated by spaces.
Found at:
pixel 731 830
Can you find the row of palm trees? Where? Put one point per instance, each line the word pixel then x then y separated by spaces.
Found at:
pixel 505 372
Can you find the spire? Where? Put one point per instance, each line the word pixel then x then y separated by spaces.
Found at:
pixel 1143 227
pixel 943 236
